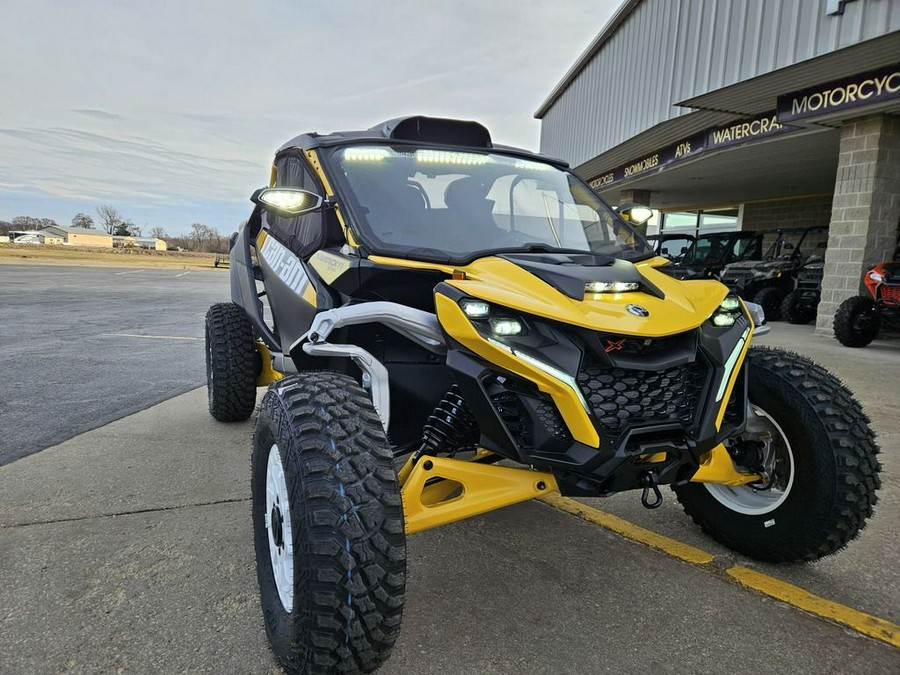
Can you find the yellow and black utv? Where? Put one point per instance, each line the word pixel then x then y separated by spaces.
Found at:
pixel 447 326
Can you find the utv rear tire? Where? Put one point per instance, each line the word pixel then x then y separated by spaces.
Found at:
pixel 856 322
pixel 232 363
pixel 770 299
pixel 323 481
pixel 796 311
pixel 831 489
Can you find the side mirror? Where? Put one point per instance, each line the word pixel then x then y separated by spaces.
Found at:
pixel 684 249
pixel 287 202
pixel 636 214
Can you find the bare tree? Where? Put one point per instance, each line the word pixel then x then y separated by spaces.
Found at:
pixel 110 218
pixel 201 235
pixel 83 220
pixel 26 223
pixel 48 222
pixel 158 232
pixel 135 230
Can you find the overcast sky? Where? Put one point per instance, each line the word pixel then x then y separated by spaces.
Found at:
pixel 171 110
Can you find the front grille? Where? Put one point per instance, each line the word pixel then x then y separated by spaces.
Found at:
pixel 736 277
pixel 512 412
pixel 814 274
pixel 890 295
pixel 634 346
pixel 550 418
pixel 810 278
pixel 621 398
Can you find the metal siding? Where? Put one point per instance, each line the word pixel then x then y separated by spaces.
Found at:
pixel 668 51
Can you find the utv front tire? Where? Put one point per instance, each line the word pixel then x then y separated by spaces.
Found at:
pixel 830 452
pixel 796 311
pixel 770 298
pixel 328 527
pixel 232 363
pixel 856 322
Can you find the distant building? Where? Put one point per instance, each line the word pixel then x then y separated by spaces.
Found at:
pixel 79 236
pixel 34 237
pixel 151 243
pixel 122 241
pixel 744 115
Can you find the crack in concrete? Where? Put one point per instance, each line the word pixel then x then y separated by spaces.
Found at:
pixel 132 512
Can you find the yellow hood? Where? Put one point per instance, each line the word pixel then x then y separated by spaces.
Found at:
pixel 687 304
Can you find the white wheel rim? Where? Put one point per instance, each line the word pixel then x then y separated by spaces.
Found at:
pixel 751 501
pixel 278 527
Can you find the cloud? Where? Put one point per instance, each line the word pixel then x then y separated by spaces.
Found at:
pixel 101 114
pixel 118 102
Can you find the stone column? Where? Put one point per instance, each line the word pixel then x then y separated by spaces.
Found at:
pixel 865 212
pixel 635 196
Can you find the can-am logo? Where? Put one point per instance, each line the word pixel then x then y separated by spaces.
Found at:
pixel 637 310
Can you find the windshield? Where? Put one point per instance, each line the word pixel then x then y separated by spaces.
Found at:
pixel 454 206
pixel 796 243
pixel 723 248
pixel 673 247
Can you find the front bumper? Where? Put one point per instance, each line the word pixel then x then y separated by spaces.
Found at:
pixel 655 405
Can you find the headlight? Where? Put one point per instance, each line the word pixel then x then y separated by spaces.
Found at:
pixel 499 322
pixel 505 326
pixel 876 277
pixel 475 309
pixel 611 287
pixel 728 312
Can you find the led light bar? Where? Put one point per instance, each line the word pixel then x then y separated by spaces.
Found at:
pixel 449 157
pixel 366 154
pixel 552 371
pixel 611 286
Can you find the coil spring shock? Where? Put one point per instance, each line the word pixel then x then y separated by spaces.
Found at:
pixel 450 428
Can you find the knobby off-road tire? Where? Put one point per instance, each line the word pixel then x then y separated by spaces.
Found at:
pixel 337 607
pixel 795 311
pixel 856 322
pixel 770 299
pixel 834 475
pixel 232 363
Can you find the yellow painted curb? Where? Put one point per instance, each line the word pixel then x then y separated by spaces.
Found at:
pixel 629 530
pixel 873 626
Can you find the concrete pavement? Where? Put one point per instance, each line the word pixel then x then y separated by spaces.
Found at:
pixel 128 549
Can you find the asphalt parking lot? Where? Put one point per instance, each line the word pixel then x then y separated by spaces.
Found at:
pixel 127 548
pixel 83 346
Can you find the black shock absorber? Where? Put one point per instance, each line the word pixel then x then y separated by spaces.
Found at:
pixel 450 428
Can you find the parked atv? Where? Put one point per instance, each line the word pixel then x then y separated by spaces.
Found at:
pixel 670 245
pixel 769 281
pixel 800 305
pixel 858 320
pixel 710 253
pixel 447 303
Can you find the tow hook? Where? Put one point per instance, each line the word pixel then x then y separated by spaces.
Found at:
pixel 650 481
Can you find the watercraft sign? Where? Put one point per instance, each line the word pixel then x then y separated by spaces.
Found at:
pixel 851 92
